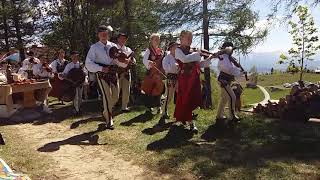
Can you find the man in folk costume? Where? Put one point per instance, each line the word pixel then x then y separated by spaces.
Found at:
pixel 171 68
pixel 152 60
pixel 189 86
pixel 77 101
pixel 28 63
pixel 124 74
pixel 42 71
pixel 59 64
pixel 98 61
pixel 229 69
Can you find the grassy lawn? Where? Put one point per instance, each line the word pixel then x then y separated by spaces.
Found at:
pixel 279 79
pixel 21 159
pixel 255 149
pixel 276 95
pixel 251 96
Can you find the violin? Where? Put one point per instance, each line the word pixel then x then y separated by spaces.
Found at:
pixel 116 53
pixel 47 67
pixel 235 62
pixel 32 61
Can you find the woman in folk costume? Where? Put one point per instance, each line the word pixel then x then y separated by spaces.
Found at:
pixel 152 85
pixel 189 86
pixel 229 69
pixel 171 68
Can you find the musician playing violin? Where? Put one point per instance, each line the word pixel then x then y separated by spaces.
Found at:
pixel 124 73
pixel 152 84
pixel 42 69
pixel 189 87
pixel 28 63
pixel 99 61
pixel 229 69
pixel 77 101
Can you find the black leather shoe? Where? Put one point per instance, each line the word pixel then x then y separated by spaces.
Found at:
pixel 220 121
pixel 162 121
pixel 193 129
pixel 125 110
pixel 111 127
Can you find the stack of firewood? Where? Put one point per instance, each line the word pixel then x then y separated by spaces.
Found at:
pixel 300 105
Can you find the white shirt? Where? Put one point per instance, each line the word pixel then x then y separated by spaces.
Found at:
pixel 146 60
pixel 226 66
pixel 26 65
pixel 70 66
pixel 98 53
pixel 170 64
pixel 193 57
pixel 38 70
pixel 128 52
pixel 54 64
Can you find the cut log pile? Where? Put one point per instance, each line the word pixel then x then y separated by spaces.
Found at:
pixel 300 105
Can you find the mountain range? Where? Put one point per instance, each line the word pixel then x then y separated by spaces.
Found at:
pixel 264 61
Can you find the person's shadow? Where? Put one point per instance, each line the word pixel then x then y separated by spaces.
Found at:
pixel 89 138
pixel 157 128
pixel 142 118
pixel 177 137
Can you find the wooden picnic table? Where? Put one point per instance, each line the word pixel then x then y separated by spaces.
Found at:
pixel 28 90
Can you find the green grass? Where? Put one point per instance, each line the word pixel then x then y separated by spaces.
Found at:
pixel 281 93
pixel 281 78
pixel 256 149
pixel 251 96
pixel 20 159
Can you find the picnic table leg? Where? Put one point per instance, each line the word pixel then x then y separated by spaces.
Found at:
pixel 28 99
pixel 9 105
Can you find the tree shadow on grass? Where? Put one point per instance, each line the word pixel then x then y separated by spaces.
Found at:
pixel 245 149
pixel 89 138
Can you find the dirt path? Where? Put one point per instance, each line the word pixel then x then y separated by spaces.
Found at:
pixel 79 161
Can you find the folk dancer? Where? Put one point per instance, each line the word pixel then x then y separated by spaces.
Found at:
pixel 77 101
pixel 171 68
pixel 152 59
pixel 189 86
pixel 43 71
pixel 28 63
pixel 124 74
pixel 98 61
pixel 229 69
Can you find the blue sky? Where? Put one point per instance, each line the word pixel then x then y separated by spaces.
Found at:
pixel 278 39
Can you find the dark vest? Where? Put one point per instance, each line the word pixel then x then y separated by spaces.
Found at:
pixel 186 68
pixel 60 67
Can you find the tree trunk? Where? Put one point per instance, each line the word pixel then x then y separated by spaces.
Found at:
pixel 16 23
pixel 5 27
pixel 127 16
pixel 206 46
pixel 302 53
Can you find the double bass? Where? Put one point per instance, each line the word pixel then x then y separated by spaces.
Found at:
pixel 152 83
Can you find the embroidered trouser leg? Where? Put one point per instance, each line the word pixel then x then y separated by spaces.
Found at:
pixel 78 98
pixel 110 95
pixel 227 96
pixel 170 91
pixel 124 85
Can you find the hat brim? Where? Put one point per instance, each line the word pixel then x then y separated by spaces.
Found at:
pixel 170 46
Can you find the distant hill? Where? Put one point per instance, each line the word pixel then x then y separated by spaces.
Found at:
pixel 264 61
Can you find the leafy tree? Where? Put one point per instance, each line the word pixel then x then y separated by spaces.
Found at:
pixel 305 39
pixel 18 23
